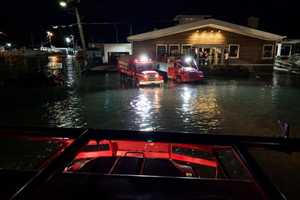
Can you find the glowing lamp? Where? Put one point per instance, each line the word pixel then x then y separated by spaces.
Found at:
pixel 49 34
pixel 63 4
pixel 68 40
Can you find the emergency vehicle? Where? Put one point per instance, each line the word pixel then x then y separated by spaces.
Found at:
pixel 140 69
pixel 184 70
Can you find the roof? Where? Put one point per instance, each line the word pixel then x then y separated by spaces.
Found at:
pixel 212 23
pixel 294 41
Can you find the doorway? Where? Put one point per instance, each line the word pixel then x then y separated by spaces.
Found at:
pixel 207 55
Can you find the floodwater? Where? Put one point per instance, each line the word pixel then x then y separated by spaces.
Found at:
pixel 219 106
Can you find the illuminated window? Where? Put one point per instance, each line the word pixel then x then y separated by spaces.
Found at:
pixel 186 49
pixel 267 51
pixel 174 49
pixel 161 51
pixel 234 51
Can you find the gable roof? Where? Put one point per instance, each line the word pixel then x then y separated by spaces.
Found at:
pixel 212 23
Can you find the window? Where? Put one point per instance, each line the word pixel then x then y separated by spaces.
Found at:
pixel 174 50
pixel 234 51
pixel 285 50
pixel 186 49
pixel 267 51
pixel 161 51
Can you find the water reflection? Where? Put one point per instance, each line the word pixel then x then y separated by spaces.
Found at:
pixel 66 112
pixel 146 107
pixel 72 72
pixel 285 80
pixel 199 108
pixel 64 109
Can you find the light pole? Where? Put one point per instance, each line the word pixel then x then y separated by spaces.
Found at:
pixel 64 4
pixel 50 35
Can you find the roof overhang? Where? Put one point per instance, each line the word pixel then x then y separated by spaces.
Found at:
pixel 212 23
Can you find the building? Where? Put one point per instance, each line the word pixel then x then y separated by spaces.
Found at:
pixel 242 45
pixel 111 51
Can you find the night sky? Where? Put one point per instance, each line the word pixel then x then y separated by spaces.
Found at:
pixel 25 22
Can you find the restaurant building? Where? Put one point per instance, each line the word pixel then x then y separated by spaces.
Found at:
pixel 222 42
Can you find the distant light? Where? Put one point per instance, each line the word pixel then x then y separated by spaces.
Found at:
pixel 49 34
pixel 8 44
pixel 188 59
pixel 219 31
pixel 63 4
pixel 197 31
pixel 68 40
pixel 55 27
pixel 212 31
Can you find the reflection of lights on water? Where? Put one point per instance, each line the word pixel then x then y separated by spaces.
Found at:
pixel 66 113
pixel 53 59
pixel 146 106
pixel 186 98
pixel 199 110
pixel 209 104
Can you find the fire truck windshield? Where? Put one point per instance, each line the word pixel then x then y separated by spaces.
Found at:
pixel 144 67
pixel 189 64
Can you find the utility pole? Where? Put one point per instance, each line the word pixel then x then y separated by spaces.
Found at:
pixel 74 4
pixel 80 29
pixel 116 32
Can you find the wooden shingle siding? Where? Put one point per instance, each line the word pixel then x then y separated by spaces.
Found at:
pixel 250 51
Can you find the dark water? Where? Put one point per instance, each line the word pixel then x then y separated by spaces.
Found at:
pixel 220 106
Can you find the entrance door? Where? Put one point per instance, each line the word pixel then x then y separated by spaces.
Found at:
pixel 210 55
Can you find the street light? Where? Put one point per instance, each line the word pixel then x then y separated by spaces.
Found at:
pixel 64 4
pixel 68 40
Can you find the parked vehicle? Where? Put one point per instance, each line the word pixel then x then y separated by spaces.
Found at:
pixel 184 70
pixel 140 69
pixel 288 57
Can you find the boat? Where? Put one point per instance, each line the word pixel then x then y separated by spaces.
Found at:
pixel 288 57
pixel 111 164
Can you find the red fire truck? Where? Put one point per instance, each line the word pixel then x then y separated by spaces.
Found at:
pixel 140 69
pixel 184 70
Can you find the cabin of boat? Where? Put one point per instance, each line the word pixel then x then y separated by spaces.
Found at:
pixel 288 57
pixel 84 164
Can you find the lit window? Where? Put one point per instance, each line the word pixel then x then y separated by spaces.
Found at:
pixel 234 51
pixel 268 51
pixel 174 50
pixel 186 49
pixel 161 51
